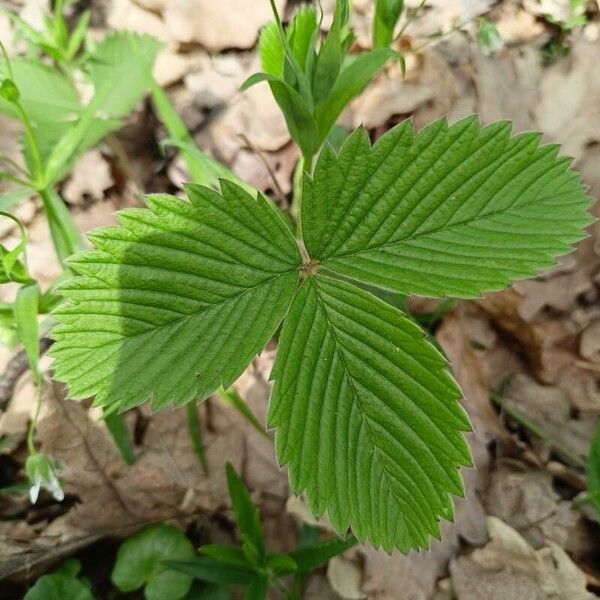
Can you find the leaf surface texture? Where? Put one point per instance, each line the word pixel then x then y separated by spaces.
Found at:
pixel 177 301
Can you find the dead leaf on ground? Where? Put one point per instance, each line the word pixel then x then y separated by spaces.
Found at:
pixel 89 178
pixel 114 499
pixel 508 567
pixel 389 95
pixel 345 578
pixel 566 113
pixel 507 86
pixel 217 25
pixel 549 410
pixel 525 499
pixel 443 15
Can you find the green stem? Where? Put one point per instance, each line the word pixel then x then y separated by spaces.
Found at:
pixel 120 433
pixel 193 423
pixel 33 425
pixel 65 234
pixel 232 398
pixel 38 168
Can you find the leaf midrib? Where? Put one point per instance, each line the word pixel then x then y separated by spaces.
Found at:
pixel 193 315
pixel 412 237
pixel 366 419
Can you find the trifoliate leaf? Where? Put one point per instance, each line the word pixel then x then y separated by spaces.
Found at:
pixel 450 211
pixel 368 417
pixel 177 301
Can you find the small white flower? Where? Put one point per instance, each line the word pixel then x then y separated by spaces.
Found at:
pixel 40 470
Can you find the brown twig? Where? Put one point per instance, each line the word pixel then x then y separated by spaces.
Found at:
pixel 17 365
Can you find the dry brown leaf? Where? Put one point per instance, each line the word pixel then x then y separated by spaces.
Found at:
pixel 217 79
pixel 469 372
pixel 517 26
pixel 254 115
pixel 319 588
pixel 589 343
pixel 127 15
pixel 433 72
pixel 526 500
pixel 115 499
pixel 507 86
pixel 89 178
pixel 218 25
pixel 508 567
pixel 443 15
pixel 549 408
pixel 345 578
pixel 386 97
pixel 558 10
pixel 567 112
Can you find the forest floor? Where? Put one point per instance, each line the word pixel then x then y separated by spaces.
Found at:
pixel 527 359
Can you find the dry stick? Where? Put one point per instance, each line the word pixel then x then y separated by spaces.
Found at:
pixel 17 365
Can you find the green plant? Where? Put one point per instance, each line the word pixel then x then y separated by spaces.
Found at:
pixel 313 84
pixel 593 471
pixel 63 584
pixel 250 565
pixel 57 127
pixel 176 302
pixel 387 15
pixel 140 563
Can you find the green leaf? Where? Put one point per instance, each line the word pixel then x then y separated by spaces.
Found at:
pixel 271 50
pixel 208 591
pixel 231 555
pixel 387 15
pixel 177 301
pixel 58 587
pixel 329 60
pixel 368 419
pixel 313 556
pixel 108 71
pixel 353 79
pixel 140 562
pixel 117 426
pixel 302 34
pixel 593 471
pixel 300 121
pixel 280 564
pixel 132 77
pixel 208 569
pixel 246 516
pixel 257 590
pixel 203 169
pixel 450 211
pixel 47 96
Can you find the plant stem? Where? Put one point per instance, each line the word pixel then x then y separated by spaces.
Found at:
pixel 193 424
pixel 33 425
